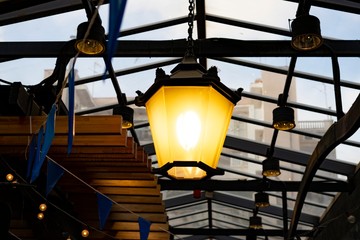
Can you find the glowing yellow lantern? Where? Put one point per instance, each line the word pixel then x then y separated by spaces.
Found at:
pixel 189 113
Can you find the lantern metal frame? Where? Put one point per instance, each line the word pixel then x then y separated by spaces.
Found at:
pixel 191 74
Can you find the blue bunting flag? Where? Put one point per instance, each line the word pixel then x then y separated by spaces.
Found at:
pixel 71 112
pixel 144 226
pixel 104 208
pixel 54 173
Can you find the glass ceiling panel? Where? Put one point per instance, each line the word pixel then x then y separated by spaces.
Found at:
pixel 143 12
pixel 60 27
pixel 27 71
pixel 215 30
pixel 274 12
pixel 347 153
pixel 278 13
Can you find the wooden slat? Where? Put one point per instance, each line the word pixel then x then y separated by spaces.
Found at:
pixel 121 183
pixel 123 176
pixel 119 191
pixel 136 199
pixel 108 169
pixel 79 140
pixel 123 208
pixel 101 162
pixel 131 235
pixel 83 125
pixel 130 226
pixel 135 235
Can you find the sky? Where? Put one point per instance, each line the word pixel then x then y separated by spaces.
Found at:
pixel 275 13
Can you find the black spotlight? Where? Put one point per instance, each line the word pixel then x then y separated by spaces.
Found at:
pixel 283 118
pixel 127 114
pixel 94 43
pixel 262 200
pixel 306 33
pixel 255 222
pixel 271 167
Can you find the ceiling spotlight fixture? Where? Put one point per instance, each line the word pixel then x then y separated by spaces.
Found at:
pixel 271 167
pixel 262 200
pixel 92 42
pixel 283 118
pixel 255 222
pixel 306 33
pixel 189 113
pixel 127 114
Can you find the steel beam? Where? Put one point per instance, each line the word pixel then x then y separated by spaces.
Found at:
pixel 213 47
pixel 271 210
pixel 252 185
pixel 229 232
pixel 42 10
pixel 351 6
pixel 236 201
pixel 283 154
pixel 287 155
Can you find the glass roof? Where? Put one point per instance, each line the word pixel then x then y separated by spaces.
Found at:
pixel 262 78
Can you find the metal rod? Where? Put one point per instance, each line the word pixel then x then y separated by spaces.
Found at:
pixel 287 85
pixel 337 87
pixel 285 214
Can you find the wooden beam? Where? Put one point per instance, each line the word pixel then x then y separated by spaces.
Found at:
pixel 28 125
pixel 79 140
pixel 337 133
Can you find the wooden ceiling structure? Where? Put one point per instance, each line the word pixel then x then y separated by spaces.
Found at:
pixel 113 161
pixel 104 159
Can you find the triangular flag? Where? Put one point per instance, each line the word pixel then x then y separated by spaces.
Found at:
pixel 144 226
pixel 49 133
pixel 43 148
pixel 116 13
pixel 71 113
pixel 31 157
pixel 36 162
pixel 104 208
pixel 54 173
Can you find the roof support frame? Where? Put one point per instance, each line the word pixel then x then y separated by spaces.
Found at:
pixel 210 47
pixel 287 155
pixel 252 185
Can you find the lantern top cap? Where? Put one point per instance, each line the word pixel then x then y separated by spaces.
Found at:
pixel 188 73
pixel 188 63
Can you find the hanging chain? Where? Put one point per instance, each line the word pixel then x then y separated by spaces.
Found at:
pixel 190 40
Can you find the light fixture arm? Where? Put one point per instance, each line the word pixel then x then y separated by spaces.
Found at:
pixel 284 96
pixel 90 10
pixel 303 8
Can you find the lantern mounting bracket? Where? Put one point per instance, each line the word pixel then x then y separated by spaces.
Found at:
pixel 210 172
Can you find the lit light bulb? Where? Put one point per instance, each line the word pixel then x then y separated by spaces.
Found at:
pixel 85 233
pixel 188 129
pixel 40 216
pixel 43 207
pixel 9 177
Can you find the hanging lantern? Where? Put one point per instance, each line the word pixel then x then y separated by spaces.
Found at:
pixel 189 113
